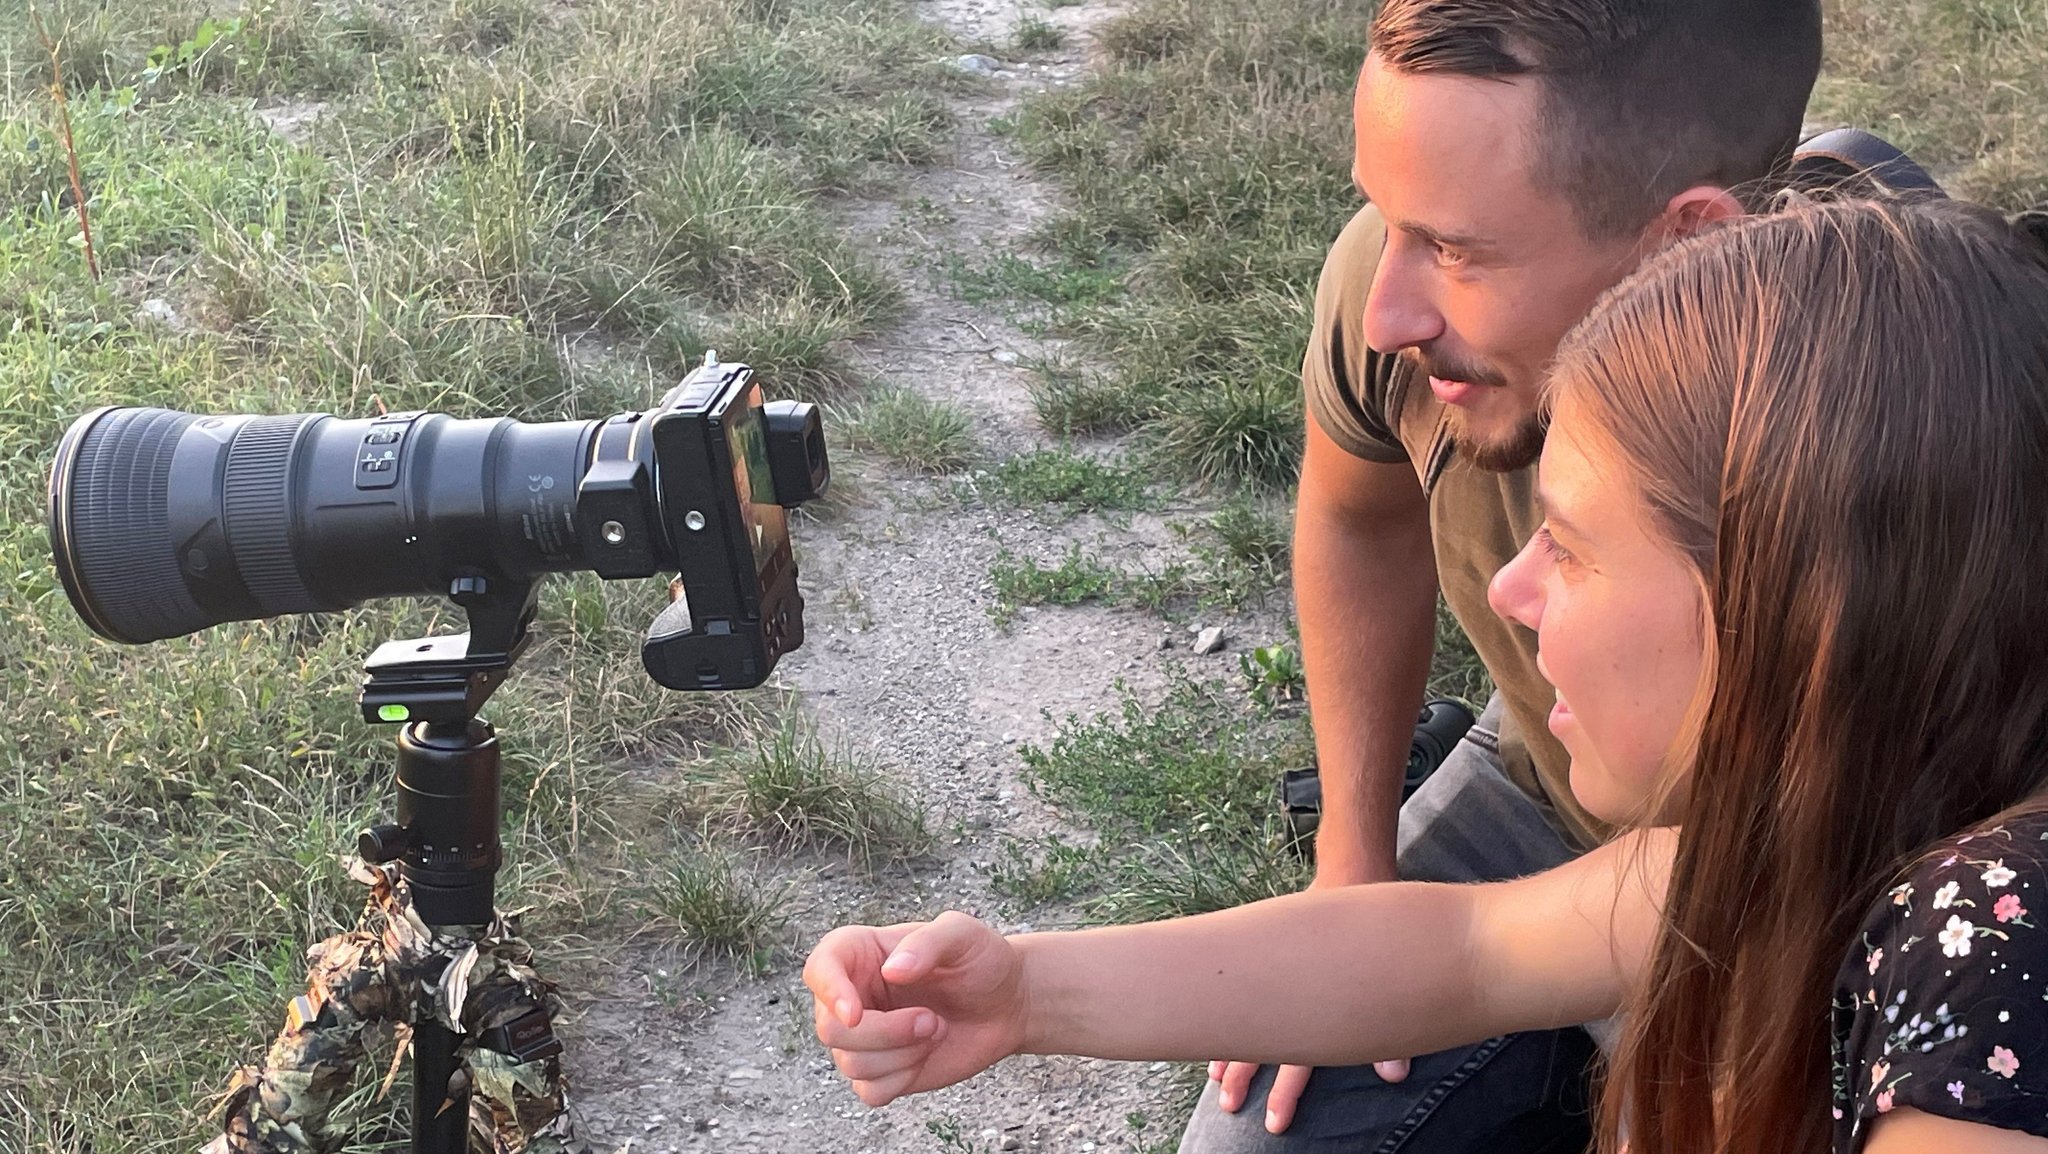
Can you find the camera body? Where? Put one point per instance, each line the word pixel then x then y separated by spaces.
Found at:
pixel 163 523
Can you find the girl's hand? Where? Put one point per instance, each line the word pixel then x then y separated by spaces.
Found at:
pixel 914 1007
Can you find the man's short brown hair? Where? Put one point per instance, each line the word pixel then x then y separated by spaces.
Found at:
pixel 1641 98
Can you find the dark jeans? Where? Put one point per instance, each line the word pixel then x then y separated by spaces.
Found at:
pixel 1519 1094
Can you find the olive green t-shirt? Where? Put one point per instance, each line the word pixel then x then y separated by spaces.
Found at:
pixel 1379 408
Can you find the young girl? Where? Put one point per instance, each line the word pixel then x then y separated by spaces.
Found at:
pixel 1792 591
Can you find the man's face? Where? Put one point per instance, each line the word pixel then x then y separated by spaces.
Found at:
pixel 1484 270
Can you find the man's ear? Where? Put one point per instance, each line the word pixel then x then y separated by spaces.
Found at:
pixel 1692 211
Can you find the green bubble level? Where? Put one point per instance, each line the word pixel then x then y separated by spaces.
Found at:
pixel 393 713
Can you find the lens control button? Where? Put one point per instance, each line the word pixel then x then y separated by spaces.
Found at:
pixel 377 462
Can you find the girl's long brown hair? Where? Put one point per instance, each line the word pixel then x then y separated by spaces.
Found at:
pixel 1840 416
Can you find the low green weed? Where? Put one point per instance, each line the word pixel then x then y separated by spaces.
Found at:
pixel 1181 793
pixel 1070 480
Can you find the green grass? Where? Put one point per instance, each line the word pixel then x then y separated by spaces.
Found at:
pixel 1071 401
pixel 707 898
pixel 1234 557
pixel 1069 480
pixel 1181 796
pixel 788 784
pixel 1957 83
pixel 912 430
pixel 492 182
pixel 1036 34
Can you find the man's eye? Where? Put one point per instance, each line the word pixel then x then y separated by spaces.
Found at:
pixel 1448 257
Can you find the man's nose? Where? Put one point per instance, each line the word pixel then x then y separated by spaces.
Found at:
pixel 1399 311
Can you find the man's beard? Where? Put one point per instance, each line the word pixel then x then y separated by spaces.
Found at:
pixel 1517 450
pixel 1521 445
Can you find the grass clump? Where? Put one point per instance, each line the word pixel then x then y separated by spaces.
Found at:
pixel 791 786
pixel 912 430
pixel 707 898
pixel 1070 480
pixel 1073 402
pixel 1037 34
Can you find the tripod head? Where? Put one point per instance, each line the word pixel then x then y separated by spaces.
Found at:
pixel 445 838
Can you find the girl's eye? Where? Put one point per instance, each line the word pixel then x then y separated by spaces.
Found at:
pixel 1549 545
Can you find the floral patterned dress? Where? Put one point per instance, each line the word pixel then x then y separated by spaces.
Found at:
pixel 1943 1003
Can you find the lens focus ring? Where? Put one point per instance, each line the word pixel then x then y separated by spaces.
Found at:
pixel 258 507
pixel 110 525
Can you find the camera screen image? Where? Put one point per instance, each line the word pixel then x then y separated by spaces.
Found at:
pixel 765 522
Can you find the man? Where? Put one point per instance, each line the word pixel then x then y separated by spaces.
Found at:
pixel 1519 157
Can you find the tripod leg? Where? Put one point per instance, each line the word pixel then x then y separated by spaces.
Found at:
pixel 440 1119
pixel 286 1103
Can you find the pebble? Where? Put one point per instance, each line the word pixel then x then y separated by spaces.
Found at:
pixel 743 1074
pixel 160 311
pixel 1004 357
pixel 1012 1142
pixel 1209 640
pixel 978 64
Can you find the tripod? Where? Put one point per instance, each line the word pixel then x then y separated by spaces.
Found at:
pixel 431 959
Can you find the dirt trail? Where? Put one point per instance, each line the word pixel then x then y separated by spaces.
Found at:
pixel 903 659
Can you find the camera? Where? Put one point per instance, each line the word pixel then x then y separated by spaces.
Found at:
pixel 163 522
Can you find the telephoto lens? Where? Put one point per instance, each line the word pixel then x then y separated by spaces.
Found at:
pixel 163 523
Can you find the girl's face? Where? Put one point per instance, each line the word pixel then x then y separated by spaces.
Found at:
pixel 1617 616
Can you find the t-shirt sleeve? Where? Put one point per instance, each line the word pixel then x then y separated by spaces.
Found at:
pixel 1344 381
pixel 1943 1005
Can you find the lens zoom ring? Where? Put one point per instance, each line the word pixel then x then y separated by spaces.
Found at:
pixel 119 525
pixel 257 504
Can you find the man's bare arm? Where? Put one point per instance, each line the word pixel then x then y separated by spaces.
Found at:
pixel 1365 590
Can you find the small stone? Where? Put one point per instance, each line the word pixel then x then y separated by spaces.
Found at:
pixel 1209 640
pixel 1012 1142
pixel 743 1074
pixel 1004 357
pixel 160 311
pixel 1165 643
pixel 990 1134
pixel 979 65
pixel 1087 1148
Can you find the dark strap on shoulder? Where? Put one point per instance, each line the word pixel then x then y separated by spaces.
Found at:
pixel 1852 161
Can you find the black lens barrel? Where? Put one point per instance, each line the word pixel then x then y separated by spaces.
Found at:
pixel 163 523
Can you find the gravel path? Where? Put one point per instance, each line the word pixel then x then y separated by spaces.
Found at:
pixel 903 659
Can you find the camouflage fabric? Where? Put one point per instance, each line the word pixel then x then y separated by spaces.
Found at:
pixel 372 982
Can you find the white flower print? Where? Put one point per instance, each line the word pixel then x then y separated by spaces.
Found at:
pixel 1955 940
pixel 1946 895
pixel 2003 1062
pixel 1876 958
pixel 1998 875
